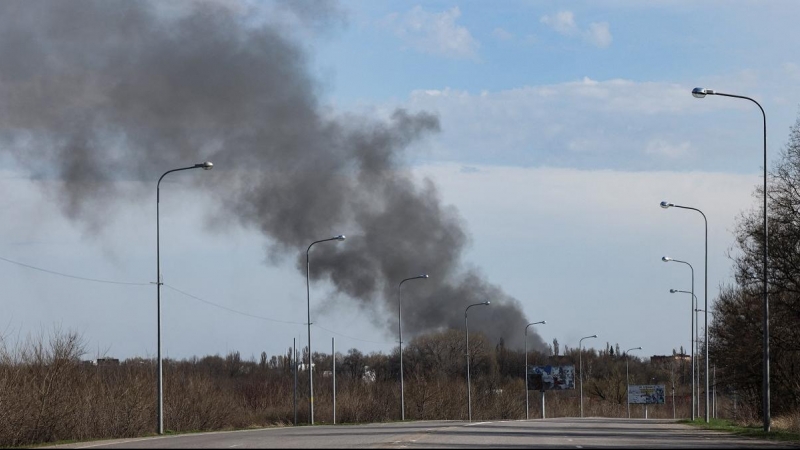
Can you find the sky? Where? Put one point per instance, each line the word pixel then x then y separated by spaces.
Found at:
pixel 559 127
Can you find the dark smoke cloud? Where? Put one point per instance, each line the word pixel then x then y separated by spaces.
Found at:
pixel 92 92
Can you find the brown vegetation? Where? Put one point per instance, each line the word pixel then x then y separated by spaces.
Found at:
pixel 48 394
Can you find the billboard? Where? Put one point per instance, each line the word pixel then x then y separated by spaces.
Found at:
pixel 545 378
pixel 646 394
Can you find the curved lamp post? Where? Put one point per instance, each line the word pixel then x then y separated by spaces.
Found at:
pixel 666 205
pixel 580 362
pixel 308 304
pixel 628 383
pixel 466 328
pixel 526 365
pixel 695 370
pixel 400 330
pixel 695 400
pixel 206 166
pixel 701 93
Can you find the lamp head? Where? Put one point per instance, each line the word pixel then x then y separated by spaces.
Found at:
pixel 666 204
pixel 666 258
pixel 487 302
pixel 672 291
pixel 208 165
pixel 700 92
pixel 594 336
pixel 544 322
pixel 423 276
pixel 340 237
pixel 638 348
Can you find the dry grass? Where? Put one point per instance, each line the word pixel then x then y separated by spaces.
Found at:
pixel 787 422
pixel 47 394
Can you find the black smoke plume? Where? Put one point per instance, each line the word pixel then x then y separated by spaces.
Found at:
pixel 92 92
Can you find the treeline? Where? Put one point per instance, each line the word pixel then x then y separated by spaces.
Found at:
pixel 48 394
pixel 736 333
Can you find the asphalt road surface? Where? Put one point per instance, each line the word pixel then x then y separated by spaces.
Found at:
pixel 550 433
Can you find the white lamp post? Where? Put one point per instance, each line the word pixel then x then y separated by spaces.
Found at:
pixel 526 366
pixel 466 328
pixel 627 382
pixel 308 304
pixel 580 363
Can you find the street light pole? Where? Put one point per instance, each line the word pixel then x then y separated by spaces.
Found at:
pixel 206 166
pixel 580 364
pixel 627 382
pixel 526 365
pixel 700 93
pixel 466 329
pixel 666 205
pixel 308 304
pixel 400 330
pixel 695 400
pixel 695 341
pixel 700 346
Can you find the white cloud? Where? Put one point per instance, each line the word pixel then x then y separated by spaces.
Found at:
pixel 597 34
pixel 434 33
pixel 661 147
pixel 502 34
pixel 590 123
pixel 792 70
pixel 563 22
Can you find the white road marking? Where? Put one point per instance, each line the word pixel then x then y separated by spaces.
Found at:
pixel 107 443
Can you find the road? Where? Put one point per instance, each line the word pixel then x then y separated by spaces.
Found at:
pixel 559 432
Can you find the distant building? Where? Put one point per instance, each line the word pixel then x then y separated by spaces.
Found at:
pixel 102 362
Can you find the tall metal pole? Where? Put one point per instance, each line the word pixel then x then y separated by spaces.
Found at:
pixel 310 368
pixel 308 304
pixel 672 381
pixel 697 351
pixel 400 332
pixel 627 387
pixel 527 416
pixel 160 388
pixel 580 365
pixel 466 345
pixel 693 342
pixel 294 362
pixel 333 358
pixel 700 93
pixel 159 282
pixel 466 329
pixel 627 382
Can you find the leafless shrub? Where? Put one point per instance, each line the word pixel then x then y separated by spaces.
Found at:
pixel 48 394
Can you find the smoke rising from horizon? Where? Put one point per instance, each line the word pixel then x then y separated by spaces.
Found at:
pixel 97 91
